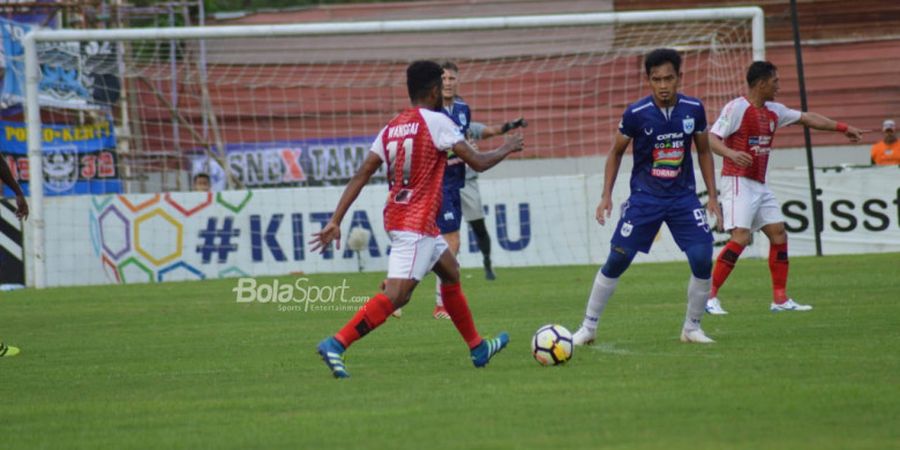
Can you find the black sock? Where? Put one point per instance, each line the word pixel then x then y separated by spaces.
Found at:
pixel 483 239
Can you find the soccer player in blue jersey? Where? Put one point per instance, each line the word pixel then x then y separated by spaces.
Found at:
pixel 662 127
pixel 449 218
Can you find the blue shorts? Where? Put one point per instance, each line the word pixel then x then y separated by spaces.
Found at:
pixel 449 218
pixel 643 214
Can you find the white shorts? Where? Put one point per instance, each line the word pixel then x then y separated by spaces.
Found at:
pixel 748 204
pixel 413 254
pixel 470 198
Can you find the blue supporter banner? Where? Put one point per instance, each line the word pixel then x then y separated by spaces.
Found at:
pixel 63 82
pixel 77 159
pixel 41 12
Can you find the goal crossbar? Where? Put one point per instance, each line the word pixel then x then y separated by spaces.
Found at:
pixel 408 26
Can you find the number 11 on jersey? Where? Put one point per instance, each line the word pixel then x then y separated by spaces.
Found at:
pixel 407 160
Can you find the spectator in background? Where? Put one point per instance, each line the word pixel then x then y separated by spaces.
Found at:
pixel 213 170
pixel 201 182
pixel 886 152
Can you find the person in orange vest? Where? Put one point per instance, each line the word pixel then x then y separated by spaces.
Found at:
pixel 886 152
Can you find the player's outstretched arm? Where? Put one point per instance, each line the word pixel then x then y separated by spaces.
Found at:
pixel 332 231
pixel 820 122
pixel 717 145
pixel 7 177
pixel 708 172
pixel 479 131
pixel 484 161
pixel 610 172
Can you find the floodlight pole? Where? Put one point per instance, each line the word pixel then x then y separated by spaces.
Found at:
pixel 817 213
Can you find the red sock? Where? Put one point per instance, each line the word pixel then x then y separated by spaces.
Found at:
pixel 778 266
pixel 369 317
pixel 724 264
pixel 456 305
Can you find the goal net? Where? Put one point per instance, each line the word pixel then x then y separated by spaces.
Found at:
pixel 280 117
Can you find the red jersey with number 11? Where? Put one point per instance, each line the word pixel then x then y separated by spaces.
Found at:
pixel 414 147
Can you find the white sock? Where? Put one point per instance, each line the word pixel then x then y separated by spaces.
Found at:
pixel 698 293
pixel 438 300
pixel 601 292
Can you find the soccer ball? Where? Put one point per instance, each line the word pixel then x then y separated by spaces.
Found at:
pixel 552 345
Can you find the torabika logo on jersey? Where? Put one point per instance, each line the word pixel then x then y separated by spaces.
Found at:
pixel 61 168
pixel 668 153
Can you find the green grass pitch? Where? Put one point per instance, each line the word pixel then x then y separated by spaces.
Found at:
pixel 183 365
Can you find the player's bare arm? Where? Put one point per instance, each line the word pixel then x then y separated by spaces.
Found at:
pixel 708 171
pixel 332 231
pixel 7 177
pixel 717 145
pixel 820 122
pixel 481 161
pixel 611 171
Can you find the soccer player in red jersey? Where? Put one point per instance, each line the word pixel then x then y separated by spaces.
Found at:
pixel 743 135
pixel 414 147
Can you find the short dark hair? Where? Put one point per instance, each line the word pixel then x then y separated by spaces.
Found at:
pixel 661 56
pixel 450 65
pixel 201 175
pixel 760 71
pixel 422 77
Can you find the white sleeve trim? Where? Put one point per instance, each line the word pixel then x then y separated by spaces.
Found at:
pixel 786 116
pixel 444 133
pixel 378 145
pixel 730 119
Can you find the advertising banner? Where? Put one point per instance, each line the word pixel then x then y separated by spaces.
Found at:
pixel 537 221
pixel 311 162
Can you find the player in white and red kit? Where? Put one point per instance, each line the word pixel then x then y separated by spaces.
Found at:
pixel 743 135
pixel 414 147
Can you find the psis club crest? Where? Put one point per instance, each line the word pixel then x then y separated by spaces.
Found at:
pixel 61 168
pixel 688 124
pixel 462 119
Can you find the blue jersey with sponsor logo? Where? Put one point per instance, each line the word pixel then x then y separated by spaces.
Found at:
pixel 661 145
pixel 455 173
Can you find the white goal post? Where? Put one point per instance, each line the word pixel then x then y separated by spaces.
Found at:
pixel 36 250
